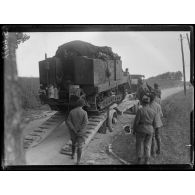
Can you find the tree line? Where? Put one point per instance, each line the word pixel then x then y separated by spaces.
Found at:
pixel 171 76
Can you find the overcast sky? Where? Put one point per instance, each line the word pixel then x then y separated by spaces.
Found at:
pixel 147 53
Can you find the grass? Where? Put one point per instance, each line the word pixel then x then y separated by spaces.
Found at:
pixel 164 83
pixel 29 92
pixel 175 134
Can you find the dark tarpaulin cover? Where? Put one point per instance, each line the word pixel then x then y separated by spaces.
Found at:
pixel 81 48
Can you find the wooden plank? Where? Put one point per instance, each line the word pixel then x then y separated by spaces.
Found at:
pixel 40 133
pixel 125 105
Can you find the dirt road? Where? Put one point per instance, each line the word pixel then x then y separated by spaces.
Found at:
pixel 167 92
pixel 47 152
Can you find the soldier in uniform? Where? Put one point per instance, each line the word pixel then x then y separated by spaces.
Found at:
pixel 157 108
pixel 42 94
pixel 155 90
pixel 143 128
pixel 77 121
pixel 140 90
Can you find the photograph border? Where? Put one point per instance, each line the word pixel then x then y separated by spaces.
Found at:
pixel 98 28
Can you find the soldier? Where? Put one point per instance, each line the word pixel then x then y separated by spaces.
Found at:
pixel 51 92
pixel 140 90
pixel 157 108
pixel 42 94
pixel 155 90
pixel 143 128
pixel 56 92
pixel 77 122
pixel 158 93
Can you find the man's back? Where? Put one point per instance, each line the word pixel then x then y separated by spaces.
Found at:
pixel 156 107
pixel 147 115
pixel 145 119
pixel 79 119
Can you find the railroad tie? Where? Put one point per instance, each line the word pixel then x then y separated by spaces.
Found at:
pixel 94 120
pixel 42 127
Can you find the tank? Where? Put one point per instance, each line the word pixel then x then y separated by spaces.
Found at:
pixel 82 70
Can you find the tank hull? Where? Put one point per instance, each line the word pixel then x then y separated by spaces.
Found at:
pixel 101 82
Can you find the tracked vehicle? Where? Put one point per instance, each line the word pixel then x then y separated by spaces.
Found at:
pixel 82 70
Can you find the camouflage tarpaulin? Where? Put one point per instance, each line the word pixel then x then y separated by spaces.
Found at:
pixel 81 48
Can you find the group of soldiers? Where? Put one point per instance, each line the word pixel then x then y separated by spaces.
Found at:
pixel 147 123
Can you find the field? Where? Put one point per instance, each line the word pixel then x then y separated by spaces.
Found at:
pixel 175 134
pixel 164 83
pixel 29 92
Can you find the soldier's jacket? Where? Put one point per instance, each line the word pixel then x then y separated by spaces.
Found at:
pixel 156 91
pixel 145 120
pixel 157 100
pixel 141 91
pixel 157 109
pixel 77 120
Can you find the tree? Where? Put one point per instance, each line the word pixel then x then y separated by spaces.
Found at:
pixel 178 75
pixel 13 139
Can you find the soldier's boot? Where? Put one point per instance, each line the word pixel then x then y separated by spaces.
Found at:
pixel 147 161
pixel 153 152
pixel 139 159
pixel 158 142
pixel 79 152
pixel 73 151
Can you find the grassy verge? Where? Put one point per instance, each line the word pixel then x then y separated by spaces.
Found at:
pixel 175 134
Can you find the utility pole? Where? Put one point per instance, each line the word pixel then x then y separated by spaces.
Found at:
pixel 188 40
pixel 184 76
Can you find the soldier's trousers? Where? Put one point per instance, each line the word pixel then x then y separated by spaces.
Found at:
pixel 77 141
pixel 143 144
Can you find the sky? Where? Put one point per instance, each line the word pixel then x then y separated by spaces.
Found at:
pixel 147 53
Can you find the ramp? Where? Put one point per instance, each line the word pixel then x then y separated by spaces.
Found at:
pixel 126 104
pixel 95 122
pixel 41 132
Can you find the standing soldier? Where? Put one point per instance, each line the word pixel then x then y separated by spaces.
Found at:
pixel 140 90
pixel 143 128
pixel 157 92
pixel 42 94
pixel 77 121
pixel 157 109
